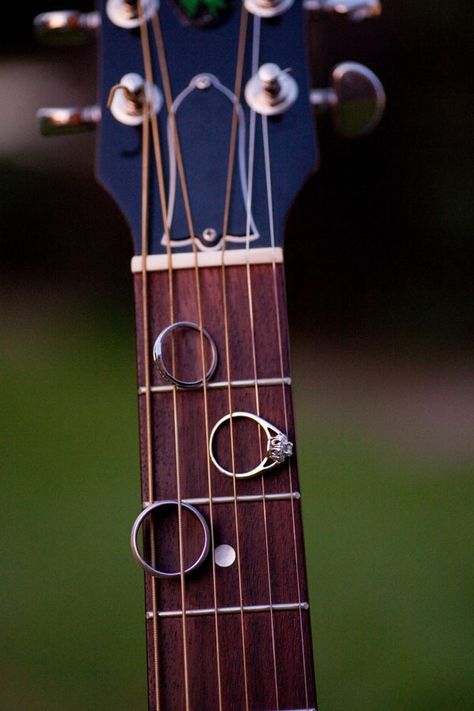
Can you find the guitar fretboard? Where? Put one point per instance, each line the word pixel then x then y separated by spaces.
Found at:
pixel 236 631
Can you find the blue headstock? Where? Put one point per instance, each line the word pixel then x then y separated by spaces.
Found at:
pixel 273 154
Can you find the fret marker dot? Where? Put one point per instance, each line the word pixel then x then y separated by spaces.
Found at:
pixel 224 555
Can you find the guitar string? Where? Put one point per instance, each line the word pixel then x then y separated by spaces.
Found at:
pixel 251 162
pixel 230 170
pixel 145 45
pixel 266 148
pixel 158 36
pixel 146 366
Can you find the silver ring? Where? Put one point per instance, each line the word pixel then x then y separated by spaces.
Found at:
pixel 159 360
pixel 279 448
pixel 164 573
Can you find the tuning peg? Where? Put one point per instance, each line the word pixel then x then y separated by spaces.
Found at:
pixel 352 10
pixel 356 99
pixel 271 90
pixel 66 121
pixel 66 27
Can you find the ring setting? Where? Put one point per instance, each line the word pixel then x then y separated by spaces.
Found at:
pixel 278 446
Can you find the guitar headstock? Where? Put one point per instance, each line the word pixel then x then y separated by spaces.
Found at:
pixel 219 91
pixel 222 161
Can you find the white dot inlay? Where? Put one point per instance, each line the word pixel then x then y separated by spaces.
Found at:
pixel 224 555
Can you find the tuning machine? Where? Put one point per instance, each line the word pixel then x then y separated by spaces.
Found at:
pixel 66 27
pixel 352 10
pixel 271 91
pixel 267 8
pixel 67 121
pixel 129 98
pixel 355 98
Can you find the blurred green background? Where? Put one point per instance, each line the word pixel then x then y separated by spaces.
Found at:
pixel 382 327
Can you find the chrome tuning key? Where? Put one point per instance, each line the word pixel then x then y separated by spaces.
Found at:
pixel 67 121
pixel 352 10
pixel 129 99
pixel 271 90
pixel 126 13
pixel 355 98
pixel 267 8
pixel 66 27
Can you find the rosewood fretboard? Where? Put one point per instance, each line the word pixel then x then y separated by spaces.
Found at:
pixel 255 651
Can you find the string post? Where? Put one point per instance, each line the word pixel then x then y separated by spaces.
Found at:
pixel 271 90
pixel 132 98
pixel 267 8
pixel 130 14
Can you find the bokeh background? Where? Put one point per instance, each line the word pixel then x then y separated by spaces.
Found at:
pixel 380 257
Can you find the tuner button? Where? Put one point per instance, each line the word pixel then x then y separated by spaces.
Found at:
pixel 352 10
pixel 66 121
pixel 356 99
pixel 66 27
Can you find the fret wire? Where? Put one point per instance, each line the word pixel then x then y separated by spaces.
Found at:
pixel 222 384
pixel 244 499
pixel 233 610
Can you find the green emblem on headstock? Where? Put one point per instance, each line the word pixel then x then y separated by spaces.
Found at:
pixel 203 13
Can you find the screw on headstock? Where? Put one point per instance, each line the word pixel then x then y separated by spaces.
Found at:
pixel 355 99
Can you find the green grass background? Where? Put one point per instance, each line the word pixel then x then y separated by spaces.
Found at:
pixel 389 538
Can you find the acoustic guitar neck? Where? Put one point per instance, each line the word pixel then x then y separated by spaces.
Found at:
pixel 234 632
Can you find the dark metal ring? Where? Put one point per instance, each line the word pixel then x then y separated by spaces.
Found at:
pixel 134 539
pixel 159 360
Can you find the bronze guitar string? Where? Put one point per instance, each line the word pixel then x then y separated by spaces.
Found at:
pixel 230 169
pixel 146 366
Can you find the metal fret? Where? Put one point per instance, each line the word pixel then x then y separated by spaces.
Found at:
pixel 222 384
pixel 244 499
pixel 280 607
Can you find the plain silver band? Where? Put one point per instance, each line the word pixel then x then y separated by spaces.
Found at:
pixel 134 539
pixel 159 360
pixel 266 463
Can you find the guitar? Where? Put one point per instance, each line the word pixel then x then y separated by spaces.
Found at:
pixel 206 135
